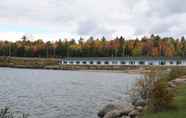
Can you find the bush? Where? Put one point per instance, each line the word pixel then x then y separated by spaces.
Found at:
pixel 154 90
pixel 175 73
pixel 160 98
pixel 6 113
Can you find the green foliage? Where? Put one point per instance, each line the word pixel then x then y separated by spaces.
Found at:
pixel 154 46
pixel 136 52
pixel 180 104
pixel 161 98
pixel 175 73
pixel 154 90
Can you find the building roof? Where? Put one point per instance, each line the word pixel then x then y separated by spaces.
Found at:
pixel 123 58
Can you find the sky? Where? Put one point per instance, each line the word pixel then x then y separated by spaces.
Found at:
pixel 54 19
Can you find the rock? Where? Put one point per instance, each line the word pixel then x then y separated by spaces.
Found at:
pixel 126 109
pixel 140 102
pixel 120 107
pixel 139 108
pixel 134 113
pixel 125 117
pixel 113 114
pixel 106 109
pixel 179 81
pixel 171 85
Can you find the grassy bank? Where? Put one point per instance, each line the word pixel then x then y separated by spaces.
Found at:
pixel 54 63
pixel 164 92
pixel 27 62
pixel 180 106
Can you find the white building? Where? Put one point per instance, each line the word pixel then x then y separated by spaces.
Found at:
pixel 124 61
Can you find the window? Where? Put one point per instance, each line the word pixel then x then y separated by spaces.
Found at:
pixel 77 62
pixel 71 62
pixel 106 62
pixel 65 62
pixel 123 62
pixel 84 62
pixel 171 62
pixel 162 63
pixel 132 62
pixel 150 63
pixel 98 62
pixel 141 62
pixel 91 62
pixel 178 62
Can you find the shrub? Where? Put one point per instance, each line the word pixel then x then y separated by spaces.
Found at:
pixel 160 97
pixel 7 113
pixel 154 90
pixel 175 73
pixel 143 87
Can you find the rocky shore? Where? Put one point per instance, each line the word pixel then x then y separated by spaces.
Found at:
pixel 177 81
pixel 122 110
pixel 133 109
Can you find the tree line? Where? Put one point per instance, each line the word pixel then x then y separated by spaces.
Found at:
pixel 153 46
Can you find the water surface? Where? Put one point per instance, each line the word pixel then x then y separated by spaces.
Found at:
pixel 61 94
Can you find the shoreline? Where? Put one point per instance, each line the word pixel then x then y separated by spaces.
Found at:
pixel 88 70
pixel 96 68
pixel 133 70
pixel 53 64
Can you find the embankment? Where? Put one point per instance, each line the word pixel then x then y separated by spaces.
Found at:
pixel 53 63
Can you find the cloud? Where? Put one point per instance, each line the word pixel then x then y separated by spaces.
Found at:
pixel 11 36
pixel 168 7
pixel 94 17
pixel 93 28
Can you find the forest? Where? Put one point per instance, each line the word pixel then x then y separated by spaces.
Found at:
pixel 153 46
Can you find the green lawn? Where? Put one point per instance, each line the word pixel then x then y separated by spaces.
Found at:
pixel 178 112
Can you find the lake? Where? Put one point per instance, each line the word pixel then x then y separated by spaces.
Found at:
pixel 61 94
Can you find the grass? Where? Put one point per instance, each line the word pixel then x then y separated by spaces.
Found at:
pixel 28 62
pixel 180 107
pixel 175 73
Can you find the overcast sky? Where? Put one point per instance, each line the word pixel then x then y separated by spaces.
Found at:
pixel 54 19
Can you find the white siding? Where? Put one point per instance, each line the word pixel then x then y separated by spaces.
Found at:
pixel 184 62
pixel 124 62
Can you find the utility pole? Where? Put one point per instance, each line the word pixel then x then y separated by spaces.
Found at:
pixel 54 52
pixel 9 50
pixel 47 52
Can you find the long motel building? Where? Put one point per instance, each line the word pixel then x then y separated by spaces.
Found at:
pixel 176 61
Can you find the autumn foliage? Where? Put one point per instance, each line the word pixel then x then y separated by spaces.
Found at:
pixel 153 46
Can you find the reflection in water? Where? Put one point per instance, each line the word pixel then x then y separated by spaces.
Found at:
pixel 61 94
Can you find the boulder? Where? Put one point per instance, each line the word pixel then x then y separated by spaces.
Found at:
pixel 113 114
pixel 124 109
pixel 106 109
pixel 179 81
pixel 171 84
pixel 134 113
pixel 125 117
pixel 139 108
pixel 140 102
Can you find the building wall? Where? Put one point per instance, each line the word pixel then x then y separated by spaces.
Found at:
pixel 184 62
pixel 123 62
